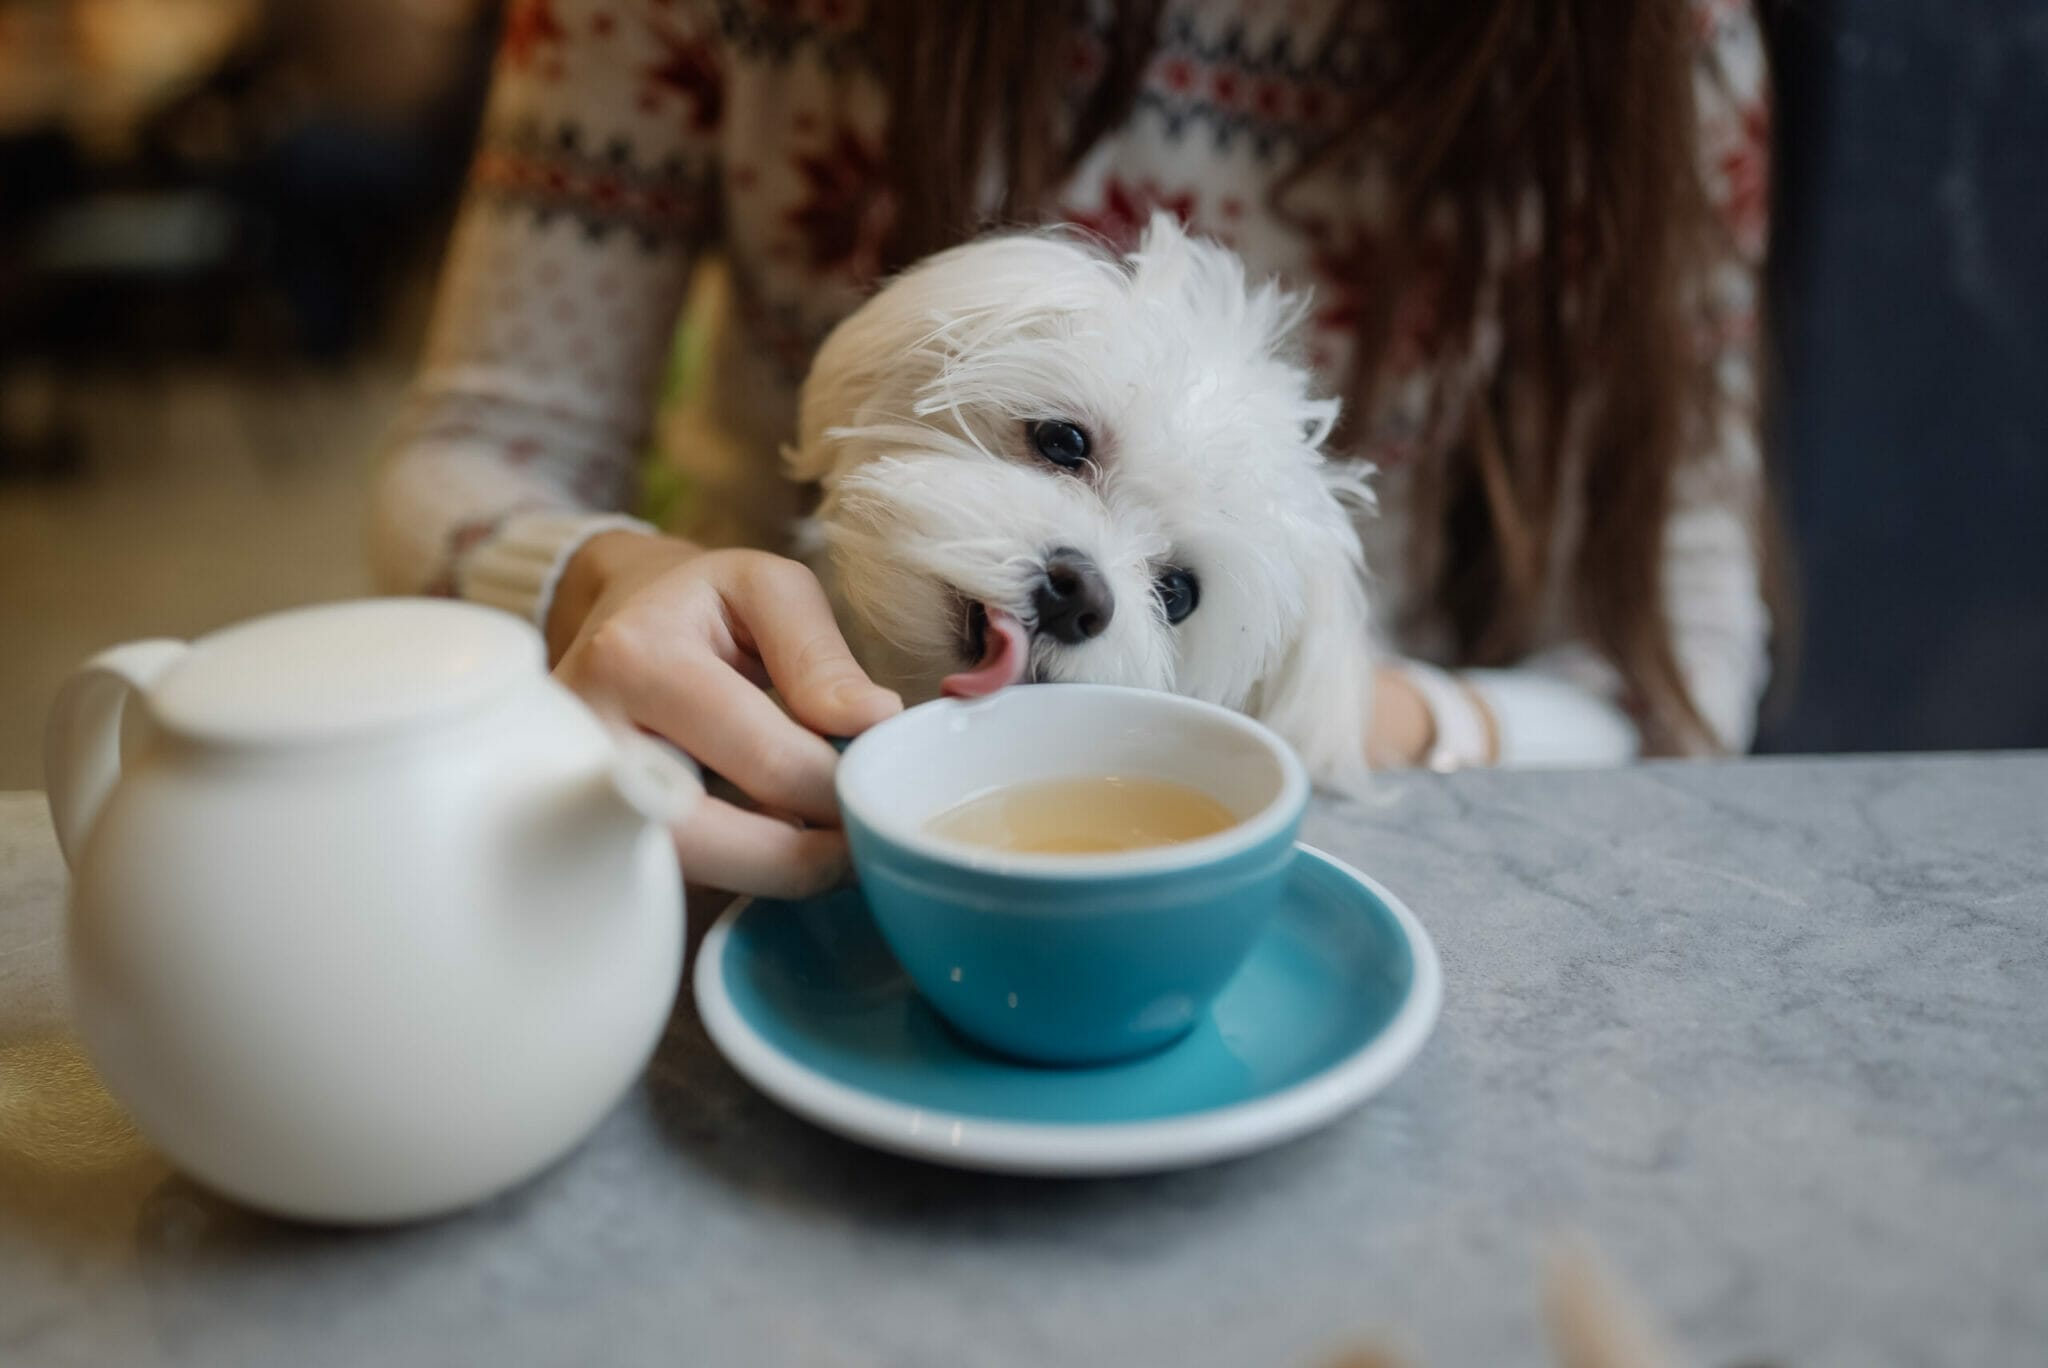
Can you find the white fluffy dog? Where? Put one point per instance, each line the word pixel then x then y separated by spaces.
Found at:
pixel 1041 462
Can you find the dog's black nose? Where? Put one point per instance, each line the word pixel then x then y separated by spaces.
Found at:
pixel 1073 600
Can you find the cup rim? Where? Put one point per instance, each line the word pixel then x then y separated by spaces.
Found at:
pixel 1269 822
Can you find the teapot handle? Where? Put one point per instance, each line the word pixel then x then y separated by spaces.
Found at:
pixel 82 740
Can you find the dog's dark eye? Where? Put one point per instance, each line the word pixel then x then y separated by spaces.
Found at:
pixel 1065 445
pixel 1180 593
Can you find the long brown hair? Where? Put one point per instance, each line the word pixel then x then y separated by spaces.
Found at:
pixel 1578 110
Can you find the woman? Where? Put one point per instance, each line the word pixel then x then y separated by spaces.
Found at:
pixel 1533 229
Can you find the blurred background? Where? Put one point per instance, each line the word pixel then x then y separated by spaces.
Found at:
pixel 219 221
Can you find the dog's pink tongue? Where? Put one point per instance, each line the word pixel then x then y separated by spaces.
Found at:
pixel 1006 649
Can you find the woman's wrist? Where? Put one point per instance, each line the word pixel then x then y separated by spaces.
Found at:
pixel 1407 731
pixel 1401 730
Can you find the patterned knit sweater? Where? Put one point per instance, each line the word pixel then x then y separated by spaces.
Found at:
pixel 627 141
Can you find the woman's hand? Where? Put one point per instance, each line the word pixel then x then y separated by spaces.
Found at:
pixel 682 642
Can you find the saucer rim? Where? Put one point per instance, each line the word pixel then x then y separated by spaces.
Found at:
pixel 1066 1149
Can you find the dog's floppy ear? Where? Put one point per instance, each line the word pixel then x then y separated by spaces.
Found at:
pixel 847 375
pixel 1319 695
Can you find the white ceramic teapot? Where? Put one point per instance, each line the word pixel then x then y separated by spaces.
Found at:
pixel 371 918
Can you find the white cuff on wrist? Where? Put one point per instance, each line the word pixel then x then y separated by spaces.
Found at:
pixel 1549 723
pixel 1460 727
pixel 518 566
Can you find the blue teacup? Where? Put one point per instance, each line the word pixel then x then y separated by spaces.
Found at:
pixel 1069 959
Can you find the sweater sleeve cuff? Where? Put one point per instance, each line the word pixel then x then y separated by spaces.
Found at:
pixel 1548 723
pixel 518 566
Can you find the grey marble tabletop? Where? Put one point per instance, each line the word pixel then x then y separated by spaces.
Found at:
pixel 1774 1035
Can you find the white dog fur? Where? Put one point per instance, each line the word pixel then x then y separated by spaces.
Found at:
pixel 1204 454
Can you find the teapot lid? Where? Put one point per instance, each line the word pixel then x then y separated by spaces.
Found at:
pixel 323 673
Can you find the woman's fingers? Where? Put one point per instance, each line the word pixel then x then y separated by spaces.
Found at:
pixel 686 655
pixel 728 725
pixel 780 608
pixel 726 847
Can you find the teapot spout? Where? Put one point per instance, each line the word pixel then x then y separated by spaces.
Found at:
pixel 655 781
pixel 570 837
